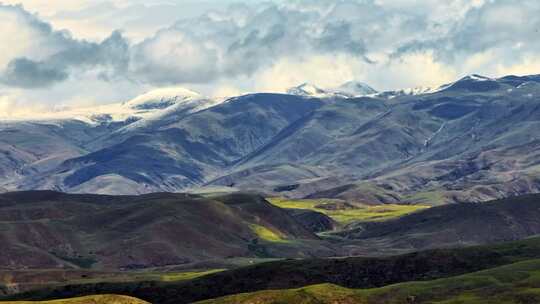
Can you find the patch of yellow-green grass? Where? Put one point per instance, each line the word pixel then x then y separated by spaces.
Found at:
pixel 510 284
pixel 181 276
pixel 266 234
pixel 361 213
pixel 97 299
pixel 126 277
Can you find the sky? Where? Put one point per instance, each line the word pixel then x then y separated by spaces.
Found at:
pixel 70 53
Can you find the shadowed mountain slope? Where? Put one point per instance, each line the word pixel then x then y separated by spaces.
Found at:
pixel 45 229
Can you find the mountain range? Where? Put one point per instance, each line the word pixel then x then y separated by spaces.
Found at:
pixel 470 140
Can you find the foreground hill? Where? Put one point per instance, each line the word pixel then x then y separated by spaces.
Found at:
pixel 511 284
pixel 99 299
pixel 471 140
pixel 346 272
pixel 45 229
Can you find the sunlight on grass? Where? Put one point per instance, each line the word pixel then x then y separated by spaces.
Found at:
pixel 266 234
pixel 361 213
pixel 187 275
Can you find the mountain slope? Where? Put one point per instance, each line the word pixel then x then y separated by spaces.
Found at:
pixel 185 151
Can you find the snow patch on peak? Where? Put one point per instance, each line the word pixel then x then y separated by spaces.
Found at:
pixel 139 111
pixel 406 92
pixel 347 90
pixel 476 77
pixel 354 89
pixel 308 90
pixel 162 98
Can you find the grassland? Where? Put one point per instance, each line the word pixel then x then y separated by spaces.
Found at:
pixel 267 234
pixel 345 216
pixel 97 299
pixel 515 283
pixel 181 276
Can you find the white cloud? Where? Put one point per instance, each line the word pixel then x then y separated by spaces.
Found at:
pixel 267 46
pixel 323 70
pixel 171 56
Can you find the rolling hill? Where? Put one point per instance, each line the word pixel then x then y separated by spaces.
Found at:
pixel 52 230
pixel 511 284
pixel 452 225
pixel 98 299
pixel 455 272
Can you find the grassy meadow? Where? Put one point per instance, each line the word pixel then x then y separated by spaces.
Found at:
pixel 362 213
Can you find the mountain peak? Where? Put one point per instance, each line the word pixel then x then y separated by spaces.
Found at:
pixel 354 88
pixel 162 98
pixel 406 92
pixel 475 77
pixel 307 89
pixel 472 83
pixel 348 89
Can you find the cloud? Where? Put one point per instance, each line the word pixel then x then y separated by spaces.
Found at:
pixel 244 40
pixel 173 56
pixel 46 57
pixel 112 54
pixel 22 72
pixel 324 70
pixel 497 25
pixel 270 45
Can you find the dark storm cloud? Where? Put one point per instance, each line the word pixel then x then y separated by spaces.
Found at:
pixel 112 54
pixel 23 72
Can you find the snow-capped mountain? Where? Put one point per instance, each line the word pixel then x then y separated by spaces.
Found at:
pixel 354 89
pixel 406 92
pixel 308 90
pixel 156 105
pixel 470 82
pixel 151 105
pixel 473 82
pixel 347 90
pixel 162 98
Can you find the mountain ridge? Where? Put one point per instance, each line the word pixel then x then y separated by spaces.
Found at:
pixel 459 138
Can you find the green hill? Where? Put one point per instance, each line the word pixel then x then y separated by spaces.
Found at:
pixel 98 299
pixel 517 283
pixel 356 273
